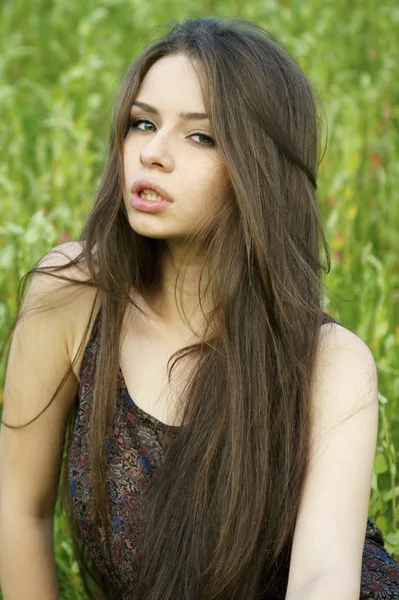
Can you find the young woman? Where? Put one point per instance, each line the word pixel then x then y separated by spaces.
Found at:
pixel 219 428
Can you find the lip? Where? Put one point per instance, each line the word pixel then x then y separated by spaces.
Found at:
pixel 149 206
pixel 142 184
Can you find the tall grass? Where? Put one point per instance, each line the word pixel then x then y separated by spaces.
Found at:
pixel 60 65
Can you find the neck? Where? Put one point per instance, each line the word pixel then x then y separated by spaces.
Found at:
pixel 164 307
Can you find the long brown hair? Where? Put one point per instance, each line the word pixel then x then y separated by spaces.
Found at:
pixel 242 453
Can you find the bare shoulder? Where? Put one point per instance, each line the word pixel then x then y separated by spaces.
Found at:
pixel 77 298
pixel 335 338
pixel 64 254
pixel 344 361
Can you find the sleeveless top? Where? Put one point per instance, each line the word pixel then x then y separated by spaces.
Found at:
pixel 134 452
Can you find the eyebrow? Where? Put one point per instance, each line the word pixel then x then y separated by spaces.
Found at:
pixel 186 116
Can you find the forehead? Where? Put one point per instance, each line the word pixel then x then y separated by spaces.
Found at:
pixel 183 116
pixel 173 81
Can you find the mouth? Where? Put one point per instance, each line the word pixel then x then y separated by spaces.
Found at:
pixel 150 190
pixel 147 194
pixel 154 205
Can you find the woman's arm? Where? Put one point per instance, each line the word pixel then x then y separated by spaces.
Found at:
pixel 332 585
pixel 27 559
pixel 30 457
pixel 331 525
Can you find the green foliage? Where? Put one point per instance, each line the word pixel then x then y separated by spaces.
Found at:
pixel 60 66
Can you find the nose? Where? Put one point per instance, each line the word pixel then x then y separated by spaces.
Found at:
pixel 156 152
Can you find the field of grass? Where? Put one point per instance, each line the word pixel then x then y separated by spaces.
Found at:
pixel 60 66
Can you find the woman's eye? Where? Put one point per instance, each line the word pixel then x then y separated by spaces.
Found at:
pixel 134 123
pixel 210 141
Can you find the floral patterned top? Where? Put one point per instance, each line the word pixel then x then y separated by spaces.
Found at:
pixel 134 452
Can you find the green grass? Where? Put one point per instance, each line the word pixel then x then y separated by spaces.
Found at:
pixel 60 66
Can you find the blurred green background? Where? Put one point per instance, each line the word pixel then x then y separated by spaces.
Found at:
pixel 60 66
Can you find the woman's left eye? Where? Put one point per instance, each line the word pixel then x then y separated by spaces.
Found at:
pixel 135 122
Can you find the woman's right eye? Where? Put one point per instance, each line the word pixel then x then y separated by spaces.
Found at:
pixel 134 123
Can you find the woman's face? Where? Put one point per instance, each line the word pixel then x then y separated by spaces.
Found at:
pixel 176 153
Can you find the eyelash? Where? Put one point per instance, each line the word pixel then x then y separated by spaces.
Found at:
pixel 134 122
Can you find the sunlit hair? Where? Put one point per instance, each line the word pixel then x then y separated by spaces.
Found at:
pixel 242 453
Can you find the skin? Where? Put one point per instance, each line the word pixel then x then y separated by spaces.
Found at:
pixel 191 169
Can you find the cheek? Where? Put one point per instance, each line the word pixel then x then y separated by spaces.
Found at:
pixel 209 191
pixel 128 164
pixel 203 204
pixel 221 185
pixel 128 150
